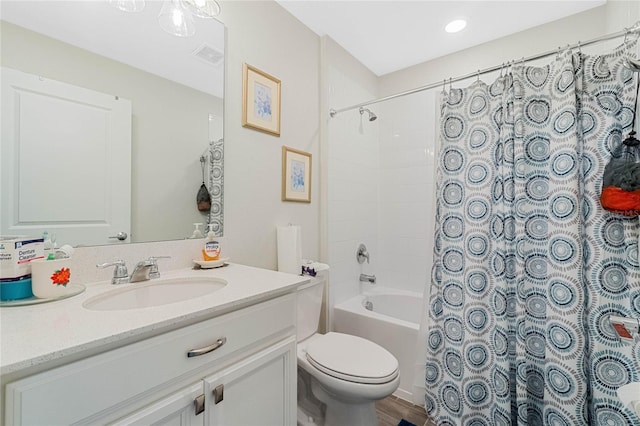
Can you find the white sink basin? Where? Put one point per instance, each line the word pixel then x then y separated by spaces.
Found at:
pixel 154 293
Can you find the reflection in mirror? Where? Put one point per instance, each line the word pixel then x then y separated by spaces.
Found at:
pixel 175 90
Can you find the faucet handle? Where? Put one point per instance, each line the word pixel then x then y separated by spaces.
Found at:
pixel 362 254
pixel 120 273
pixel 153 271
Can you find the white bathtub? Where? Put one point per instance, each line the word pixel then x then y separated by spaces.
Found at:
pixel 393 323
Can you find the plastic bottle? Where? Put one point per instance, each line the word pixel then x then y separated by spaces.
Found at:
pixel 47 242
pixel 211 250
pixel 196 231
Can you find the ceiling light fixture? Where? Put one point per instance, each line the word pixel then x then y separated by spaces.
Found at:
pixel 176 19
pixel 203 8
pixel 455 26
pixel 176 16
pixel 128 5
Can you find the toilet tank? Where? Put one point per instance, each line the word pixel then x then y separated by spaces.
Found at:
pixel 309 298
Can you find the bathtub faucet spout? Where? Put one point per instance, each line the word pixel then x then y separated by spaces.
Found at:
pixel 368 278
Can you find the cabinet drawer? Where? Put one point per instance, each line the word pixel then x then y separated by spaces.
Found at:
pixel 74 392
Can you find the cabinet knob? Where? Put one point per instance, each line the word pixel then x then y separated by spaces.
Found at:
pixel 198 403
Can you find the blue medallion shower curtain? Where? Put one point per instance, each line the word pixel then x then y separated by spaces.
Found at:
pixel 527 265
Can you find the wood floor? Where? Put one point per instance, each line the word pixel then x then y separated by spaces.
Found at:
pixel 393 409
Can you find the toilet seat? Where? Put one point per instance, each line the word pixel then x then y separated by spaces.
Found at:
pixel 352 358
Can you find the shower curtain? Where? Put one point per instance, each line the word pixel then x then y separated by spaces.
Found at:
pixel 527 265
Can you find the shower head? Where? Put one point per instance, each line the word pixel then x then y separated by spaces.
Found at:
pixel 372 116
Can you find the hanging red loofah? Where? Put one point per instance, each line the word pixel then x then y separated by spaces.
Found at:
pixel 621 180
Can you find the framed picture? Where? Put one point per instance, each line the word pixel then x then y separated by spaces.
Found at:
pixel 260 101
pixel 296 175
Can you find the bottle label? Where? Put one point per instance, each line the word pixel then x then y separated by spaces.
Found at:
pixel 211 250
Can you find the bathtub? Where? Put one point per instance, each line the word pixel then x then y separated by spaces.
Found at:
pixel 390 318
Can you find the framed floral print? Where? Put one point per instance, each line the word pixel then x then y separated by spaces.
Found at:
pixel 296 175
pixel 260 101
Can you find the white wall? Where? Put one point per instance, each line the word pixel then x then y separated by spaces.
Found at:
pixel 263 34
pixel 407 187
pixel 353 162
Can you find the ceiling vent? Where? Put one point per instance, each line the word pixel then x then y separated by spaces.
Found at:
pixel 209 55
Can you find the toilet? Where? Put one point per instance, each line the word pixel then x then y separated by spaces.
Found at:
pixel 346 373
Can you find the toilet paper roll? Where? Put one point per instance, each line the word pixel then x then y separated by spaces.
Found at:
pixel 289 249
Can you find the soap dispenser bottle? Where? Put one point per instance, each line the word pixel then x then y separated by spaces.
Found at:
pixel 211 250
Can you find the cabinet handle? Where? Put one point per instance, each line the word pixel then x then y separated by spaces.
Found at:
pixel 199 404
pixel 218 394
pixel 197 352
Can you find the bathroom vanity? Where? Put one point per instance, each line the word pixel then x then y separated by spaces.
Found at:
pixel 228 357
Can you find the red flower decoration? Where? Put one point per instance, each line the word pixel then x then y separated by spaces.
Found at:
pixel 61 276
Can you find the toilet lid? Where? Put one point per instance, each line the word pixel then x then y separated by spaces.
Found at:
pixel 352 358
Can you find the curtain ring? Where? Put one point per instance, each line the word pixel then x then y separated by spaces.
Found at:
pixel 478 77
pixel 579 48
pixel 626 34
pixel 444 86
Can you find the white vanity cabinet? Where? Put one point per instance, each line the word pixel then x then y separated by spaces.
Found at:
pixel 256 391
pixel 242 372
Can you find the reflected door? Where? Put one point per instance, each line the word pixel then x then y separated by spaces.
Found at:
pixel 49 127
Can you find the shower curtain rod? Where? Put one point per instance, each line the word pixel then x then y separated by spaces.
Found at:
pixel 627 31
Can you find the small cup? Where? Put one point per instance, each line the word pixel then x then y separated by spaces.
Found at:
pixel 51 278
pixel 63 252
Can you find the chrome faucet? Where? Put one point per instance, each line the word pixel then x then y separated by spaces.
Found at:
pixel 120 274
pixel 368 278
pixel 146 269
pixel 154 272
pixel 142 271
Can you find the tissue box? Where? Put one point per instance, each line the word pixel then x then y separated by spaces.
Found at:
pixel 16 253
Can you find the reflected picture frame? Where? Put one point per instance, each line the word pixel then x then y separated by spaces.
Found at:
pixel 260 100
pixel 296 175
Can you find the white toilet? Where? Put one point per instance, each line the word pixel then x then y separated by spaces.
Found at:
pixel 347 373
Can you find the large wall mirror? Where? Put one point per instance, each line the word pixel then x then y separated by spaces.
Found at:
pixel 175 89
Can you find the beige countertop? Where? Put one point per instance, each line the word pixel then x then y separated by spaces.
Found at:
pixel 35 337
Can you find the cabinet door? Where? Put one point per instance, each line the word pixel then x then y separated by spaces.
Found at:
pixel 257 391
pixel 178 409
